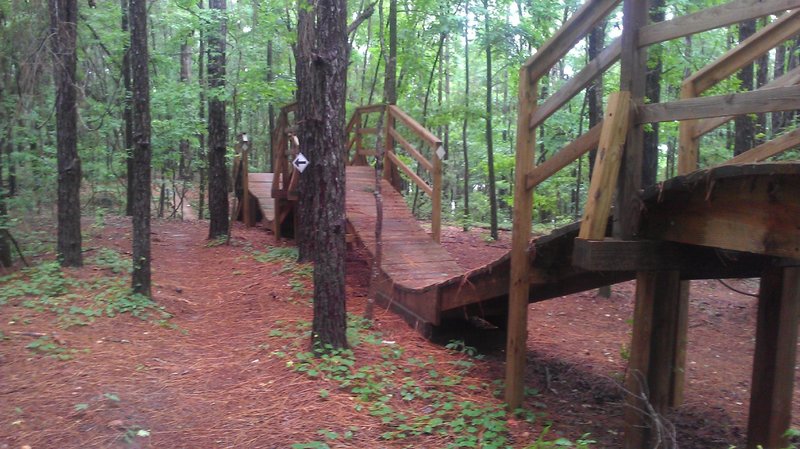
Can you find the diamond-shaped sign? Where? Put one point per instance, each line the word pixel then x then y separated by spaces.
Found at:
pixel 440 152
pixel 300 162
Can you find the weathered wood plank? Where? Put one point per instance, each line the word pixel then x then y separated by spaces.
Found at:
pixel 411 150
pixel 774 360
pixel 595 67
pixel 705 126
pixel 575 149
pixel 606 170
pixel 769 100
pixel 584 19
pixel 756 45
pixel 410 173
pixel 708 19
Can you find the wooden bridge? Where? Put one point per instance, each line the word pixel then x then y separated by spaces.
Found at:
pixel 739 219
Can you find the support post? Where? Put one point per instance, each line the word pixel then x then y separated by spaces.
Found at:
pixel 436 198
pixel 774 359
pixel 247 214
pixel 519 283
pixel 651 366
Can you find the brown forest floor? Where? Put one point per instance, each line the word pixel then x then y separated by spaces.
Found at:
pixel 216 378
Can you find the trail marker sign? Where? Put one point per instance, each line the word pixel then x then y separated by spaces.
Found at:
pixel 300 162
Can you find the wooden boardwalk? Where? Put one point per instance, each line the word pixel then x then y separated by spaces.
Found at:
pixel 410 257
pixel 261 188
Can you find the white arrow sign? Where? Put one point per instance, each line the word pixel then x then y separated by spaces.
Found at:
pixel 300 162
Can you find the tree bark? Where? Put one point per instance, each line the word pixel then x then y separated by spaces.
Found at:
pixel 653 94
pixel 489 130
pixel 595 90
pixel 321 74
pixel 745 128
pixel 63 27
pixel 270 107
pixel 201 137
pixel 184 165
pixel 126 112
pixel 140 99
pixel 465 123
pixel 217 124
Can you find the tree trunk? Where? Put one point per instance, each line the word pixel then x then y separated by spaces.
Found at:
pixel 140 98
pixel 126 112
pixel 595 90
pixel 321 75
pixel 465 123
pixel 745 128
pixel 653 94
pixel 201 138
pixel 5 244
pixel 270 107
pixel 184 166
pixel 489 130
pixel 779 68
pixel 762 77
pixel 217 124
pixel 63 19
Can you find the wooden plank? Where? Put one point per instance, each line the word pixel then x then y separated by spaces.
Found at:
pixel 573 30
pixel 519 283
pixel 705 126
pixel 595 67
pixel 756 45
pixel 769 100
pixel 410 173
pixel 436 198
pixel 370 108
pixel 575 149
pixel 367 130
pixel 411 150
pixel 606 170
pixel 768 149
pixel 774 360
pixel 751 208
pixel 711 18
pixel 432 141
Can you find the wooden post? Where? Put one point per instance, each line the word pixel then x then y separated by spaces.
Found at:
pixel 388 142
pixel 519 283
pixel 688 144
pixel 774 359
pixel 247 214
pixel 606 170
pixel 436 197
pixel 650 368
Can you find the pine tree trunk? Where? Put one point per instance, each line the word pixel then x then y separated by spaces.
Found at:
pixel 653 94
pixel 489 130
pixel 126 112
pixel 184 166
pixel 745 128
pixel 465 123
pixel 321 74
pixel 595 90
pixel 201 137
pixel 217 124
pixel 140 99
pixel 64 17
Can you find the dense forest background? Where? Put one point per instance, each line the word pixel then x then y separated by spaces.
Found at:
pixel 457 67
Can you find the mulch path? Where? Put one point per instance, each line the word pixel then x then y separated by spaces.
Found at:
pixel 211 380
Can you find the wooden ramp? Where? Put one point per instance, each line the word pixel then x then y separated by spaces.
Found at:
pixel 260 186
pixel 413 265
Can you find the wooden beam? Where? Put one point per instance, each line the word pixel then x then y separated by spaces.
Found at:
pixel 769 100
pixel 575 149
pixel 410 173
pixel 368 130
pixel 756 45
pixel 519 285
pixel 596 66
pixel 750 208
pixel 774 360
pixel 653 342
pixel 370 108
pixel 606 168
pixel 584 19
pixel 436 199
pixel 428 137
pixel 768 149
pixel 708 19
pixel 688 143
pixel 705 126
pixel 411 150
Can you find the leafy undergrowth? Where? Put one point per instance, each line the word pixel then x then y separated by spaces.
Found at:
pixel 50 291
pixel 415 401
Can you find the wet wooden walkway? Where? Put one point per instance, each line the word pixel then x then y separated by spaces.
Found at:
pixel 261 188
pixel 410 256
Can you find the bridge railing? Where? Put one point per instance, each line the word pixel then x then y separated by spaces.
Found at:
pixel 392 163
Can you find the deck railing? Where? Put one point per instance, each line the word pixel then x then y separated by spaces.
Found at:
pixel 619 170
pixel 393 139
